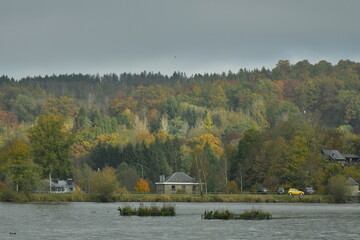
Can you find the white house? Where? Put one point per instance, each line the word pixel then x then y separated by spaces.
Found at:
pixel 62 186
pixel 179 182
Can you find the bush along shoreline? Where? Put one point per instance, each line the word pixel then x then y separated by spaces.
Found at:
pixel 144 211
pixel 253 214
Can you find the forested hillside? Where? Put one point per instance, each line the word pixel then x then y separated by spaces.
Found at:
pixel 251 128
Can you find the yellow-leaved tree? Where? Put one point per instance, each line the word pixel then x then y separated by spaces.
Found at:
pixel 18 170
pixel 105 184
pixel 142 186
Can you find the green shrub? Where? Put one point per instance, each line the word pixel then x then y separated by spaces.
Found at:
pixel 12 196
pixel 336 187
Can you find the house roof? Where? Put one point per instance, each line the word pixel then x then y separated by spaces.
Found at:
pixel 351 181
pixel 178 178
pixel 350 156
pixel 334 155
pixel 62 183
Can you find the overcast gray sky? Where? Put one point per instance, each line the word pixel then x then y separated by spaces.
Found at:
pixel 41 37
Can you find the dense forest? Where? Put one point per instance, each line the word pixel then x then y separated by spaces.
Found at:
pixel 251 128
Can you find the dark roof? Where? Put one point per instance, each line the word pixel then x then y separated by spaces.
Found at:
pixel 180 177
pixel 334 155
pixel 350 156
pixel 351 181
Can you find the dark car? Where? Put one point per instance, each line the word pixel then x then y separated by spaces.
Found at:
pixel 309 191
pixel 262 191
pixel 280 191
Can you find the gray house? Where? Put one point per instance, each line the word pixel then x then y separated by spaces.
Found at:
pixel 179 182
pixel 352 159
pixel 352 187
pixel 334 156
pixel 62 186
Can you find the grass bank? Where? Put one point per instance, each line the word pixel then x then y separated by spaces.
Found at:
pixel 127 197
pixel 252 198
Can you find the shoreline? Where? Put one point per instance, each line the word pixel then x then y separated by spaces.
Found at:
pixel 128 197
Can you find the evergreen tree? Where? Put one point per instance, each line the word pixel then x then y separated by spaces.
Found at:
pixel 212 165
pixel 81 120
pixel 240 165
pixel 190 116
pixel 171 107
pixel 127 176
pixel 105 155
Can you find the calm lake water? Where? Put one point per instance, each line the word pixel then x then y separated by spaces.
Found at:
pixel 102 221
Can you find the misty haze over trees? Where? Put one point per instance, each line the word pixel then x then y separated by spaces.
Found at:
pixel 254 127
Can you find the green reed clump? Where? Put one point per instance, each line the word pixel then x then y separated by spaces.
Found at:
pixel 254 214
pixel 143 210
pixel 217 214
pixel 127 211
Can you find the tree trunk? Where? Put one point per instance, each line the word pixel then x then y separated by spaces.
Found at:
pixel 49 181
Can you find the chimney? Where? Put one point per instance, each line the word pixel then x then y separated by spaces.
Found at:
pixel 69 181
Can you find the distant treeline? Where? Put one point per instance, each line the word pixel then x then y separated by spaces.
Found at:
pixel 260 127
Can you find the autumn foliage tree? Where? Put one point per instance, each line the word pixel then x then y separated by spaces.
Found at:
pixel 121 102
pixel 60 106
pixel 232 187
pixel 142 186
pixel 8 119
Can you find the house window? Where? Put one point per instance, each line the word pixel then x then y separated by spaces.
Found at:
pixel 172 187
pixel 184 187
pixel 194 188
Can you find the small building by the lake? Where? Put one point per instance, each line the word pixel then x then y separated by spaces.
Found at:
pixel 62 186
pixel 352 187
pixel 178 182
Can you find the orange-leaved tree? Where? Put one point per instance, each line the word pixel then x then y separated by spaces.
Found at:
pixel 142 186
pixel 232 187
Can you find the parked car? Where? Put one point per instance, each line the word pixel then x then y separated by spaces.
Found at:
pixel 309 190
pixel 294 191
pixel 262 190
pixel 280 191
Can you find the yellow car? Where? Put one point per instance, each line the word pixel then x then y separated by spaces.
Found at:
pixel 294 191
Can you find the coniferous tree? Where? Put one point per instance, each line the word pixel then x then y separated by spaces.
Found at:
pixel 190 116
pixel 81 120
pixel 170 107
